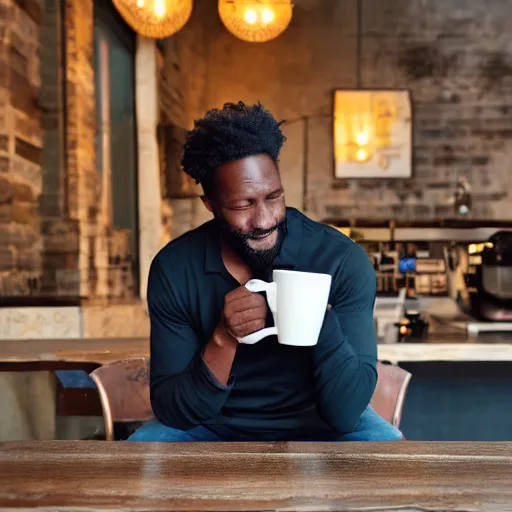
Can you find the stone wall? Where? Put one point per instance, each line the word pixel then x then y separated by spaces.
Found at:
pixel 20 147
pixel 454 57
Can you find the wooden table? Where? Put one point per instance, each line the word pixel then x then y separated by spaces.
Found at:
pixel 405 476
pixel 90 353
pixel 50 355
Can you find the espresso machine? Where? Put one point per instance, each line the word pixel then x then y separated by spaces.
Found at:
pixel 489 283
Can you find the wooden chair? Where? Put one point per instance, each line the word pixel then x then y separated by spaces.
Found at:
pixel 389 396
pixel 123 387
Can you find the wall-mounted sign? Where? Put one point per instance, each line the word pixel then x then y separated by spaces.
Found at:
pixel 372 134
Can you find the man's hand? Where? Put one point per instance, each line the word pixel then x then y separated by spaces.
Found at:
pixel 244 312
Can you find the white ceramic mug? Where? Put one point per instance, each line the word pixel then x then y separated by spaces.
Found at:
pixel 298 302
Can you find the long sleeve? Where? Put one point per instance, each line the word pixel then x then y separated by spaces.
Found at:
pixel 346 354
pixel 184 392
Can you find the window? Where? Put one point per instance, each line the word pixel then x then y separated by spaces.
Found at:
pixel 116 253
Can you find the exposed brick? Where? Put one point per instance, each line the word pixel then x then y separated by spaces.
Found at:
pixel 29 259
pixel 22 192
pixel 442 185
pixel 7 259
pixel 28 151
pixel 23 213
pixel 4 163
pixel 5 213
pixel 20 139
pixel 23 95
pixel 6 190
pixel 340 184
pixel 18 235
pixel 480 160
pixel 32 8
pixel 19 63
pixel 4 142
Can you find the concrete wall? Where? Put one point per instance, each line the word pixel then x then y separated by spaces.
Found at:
pixel 455 57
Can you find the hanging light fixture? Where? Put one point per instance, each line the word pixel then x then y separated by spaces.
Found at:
pixel 256 21
pixel 155 18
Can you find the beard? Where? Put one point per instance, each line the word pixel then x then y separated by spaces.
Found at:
pixel 259 260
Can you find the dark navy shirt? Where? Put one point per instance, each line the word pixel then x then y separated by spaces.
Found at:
pixel 273 388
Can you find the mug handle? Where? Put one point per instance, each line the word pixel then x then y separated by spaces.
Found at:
pixel 255 286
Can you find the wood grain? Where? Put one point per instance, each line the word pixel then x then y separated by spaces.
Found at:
pixel 107 350
pixel 99 351
pixel 248 477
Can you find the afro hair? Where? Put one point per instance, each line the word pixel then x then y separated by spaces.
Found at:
pixel 223 135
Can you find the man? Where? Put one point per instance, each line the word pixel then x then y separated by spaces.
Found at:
pixel 205 385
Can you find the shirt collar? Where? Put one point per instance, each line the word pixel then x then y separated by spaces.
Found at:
pixel 287 259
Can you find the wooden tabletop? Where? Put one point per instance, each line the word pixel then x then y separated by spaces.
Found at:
pixel 81 475
pixel 100 351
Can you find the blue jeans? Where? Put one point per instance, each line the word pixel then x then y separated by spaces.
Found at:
pixel 371 427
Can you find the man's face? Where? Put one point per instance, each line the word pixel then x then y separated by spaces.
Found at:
pixel 250 208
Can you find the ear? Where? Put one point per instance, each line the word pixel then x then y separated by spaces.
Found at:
pixel 207 203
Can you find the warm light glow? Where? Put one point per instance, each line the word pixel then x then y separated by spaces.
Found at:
pixel 372 134
pixel 473 248
pixel 477 248
pixel 362 155
pixel 251 16
pixel 256 21
pixel 267 16
pixel 155 18
pixel 362 138
pixel 159 8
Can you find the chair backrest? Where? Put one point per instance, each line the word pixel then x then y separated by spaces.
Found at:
pixel 123 387
pixel 388 398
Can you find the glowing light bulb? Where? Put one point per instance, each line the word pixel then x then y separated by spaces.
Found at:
pixel 362 155
pixel 154 18
pixel 255 21
pixel 362 138
pixel 159 8
pixel 267 15
pixel 251 16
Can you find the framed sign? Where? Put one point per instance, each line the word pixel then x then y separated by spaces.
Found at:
pixel 372 134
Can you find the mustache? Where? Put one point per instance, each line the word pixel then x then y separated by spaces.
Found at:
pixel 256 233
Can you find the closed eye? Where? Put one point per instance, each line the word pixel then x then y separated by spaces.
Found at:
pixel 275 195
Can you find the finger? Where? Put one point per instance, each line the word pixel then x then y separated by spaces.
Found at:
pixel 248 328
pixel 244 303
pixel 248 316
pixel 236 294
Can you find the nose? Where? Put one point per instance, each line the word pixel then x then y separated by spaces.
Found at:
pixel 263 218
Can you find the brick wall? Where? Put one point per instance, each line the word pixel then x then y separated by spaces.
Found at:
pixel 20 147
pixel 454 57
pixel 56 237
